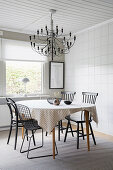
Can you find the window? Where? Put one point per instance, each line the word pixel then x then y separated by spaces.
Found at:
pixel 16 71
pixel 18 61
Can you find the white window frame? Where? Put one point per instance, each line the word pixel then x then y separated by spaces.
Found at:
pixel 42 77
pixel 3 72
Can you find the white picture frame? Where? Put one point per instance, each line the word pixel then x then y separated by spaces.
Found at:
pixel 56 75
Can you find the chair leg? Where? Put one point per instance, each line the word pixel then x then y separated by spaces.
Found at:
pixel 22 132
pixel 92 133
pixel 33 138
pixel 59 131
pixel 9 133
pixel 27 134
pixel 66 131
pixel 61 126
pixel 42 138
pixel 82 131
pixel 77 135
pixel 28 148
pixel 71 129
pixel 22 144
pixel 16 134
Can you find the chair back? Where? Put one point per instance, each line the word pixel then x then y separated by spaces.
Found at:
pixel 12 107
pixel 89 97
pixel 24 112
pixel 67 95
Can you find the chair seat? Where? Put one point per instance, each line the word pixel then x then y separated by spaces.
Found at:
pixel 76 117
pixel 31 124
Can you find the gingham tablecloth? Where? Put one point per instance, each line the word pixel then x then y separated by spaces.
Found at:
pixel 48 115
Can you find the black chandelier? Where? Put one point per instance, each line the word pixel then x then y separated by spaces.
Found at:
pixel 51 42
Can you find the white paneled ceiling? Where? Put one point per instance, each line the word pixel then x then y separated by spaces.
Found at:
pixel 73 15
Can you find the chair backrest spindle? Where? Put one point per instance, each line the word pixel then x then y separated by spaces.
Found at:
pixel 66 95
pixel 89 97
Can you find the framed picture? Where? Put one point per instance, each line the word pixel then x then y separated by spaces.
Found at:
pixel 56 75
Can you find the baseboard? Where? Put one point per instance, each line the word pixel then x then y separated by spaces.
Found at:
pixel 4 128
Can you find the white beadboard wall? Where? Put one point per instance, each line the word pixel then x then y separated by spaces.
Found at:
pixel 89 67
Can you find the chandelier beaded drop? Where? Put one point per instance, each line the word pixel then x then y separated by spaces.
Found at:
pixel 49 42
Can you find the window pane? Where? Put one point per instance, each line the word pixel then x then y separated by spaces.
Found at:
pixel 16 71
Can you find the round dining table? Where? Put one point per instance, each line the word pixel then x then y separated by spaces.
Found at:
pixel 48 115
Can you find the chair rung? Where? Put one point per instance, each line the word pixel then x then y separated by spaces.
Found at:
pixel 79 133
pixel 62 128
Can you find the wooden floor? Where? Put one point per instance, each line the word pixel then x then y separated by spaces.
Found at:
pixel 69 158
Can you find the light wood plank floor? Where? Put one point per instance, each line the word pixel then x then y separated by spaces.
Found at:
pixel 69 158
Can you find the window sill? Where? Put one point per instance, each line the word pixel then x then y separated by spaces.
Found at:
pixel 17 98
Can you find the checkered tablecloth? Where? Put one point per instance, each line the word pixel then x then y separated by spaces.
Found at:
pixel 48 115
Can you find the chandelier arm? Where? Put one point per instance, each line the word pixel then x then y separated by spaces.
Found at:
pixel 55 54
pixel 40 53
pixel 58 39
pixel 64 49
pixel 58 45
pixel 58 35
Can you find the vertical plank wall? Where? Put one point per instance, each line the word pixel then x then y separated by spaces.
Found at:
pixel 89 67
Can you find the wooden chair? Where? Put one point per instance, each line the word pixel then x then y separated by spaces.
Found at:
pixel 87 97
pixel 65 95
pixel 69 96
pixel 15 121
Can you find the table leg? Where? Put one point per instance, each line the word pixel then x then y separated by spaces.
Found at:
pixel 53 136
pixel 87 128
pixel 22 132
pixel 59 131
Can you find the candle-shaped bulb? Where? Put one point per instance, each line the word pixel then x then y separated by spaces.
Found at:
pixel 37 32
pixel 46 27
pixel 41 30
pixel 30 38
pixel 74 38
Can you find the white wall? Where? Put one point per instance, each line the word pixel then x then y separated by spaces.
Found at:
pixel 4 112
pixel 89 67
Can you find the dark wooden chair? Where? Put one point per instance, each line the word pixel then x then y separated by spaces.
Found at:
pixel 87 97
pixel 65 95
pixel 15 121
pixel 69 96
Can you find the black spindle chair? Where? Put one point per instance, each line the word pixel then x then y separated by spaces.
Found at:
pixel 69 96
pixel 87 97
pixel 65 95
pixel 15 121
